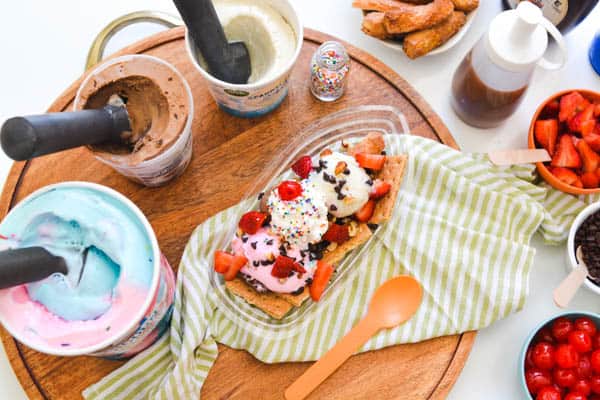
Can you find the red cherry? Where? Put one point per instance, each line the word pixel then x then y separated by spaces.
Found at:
pixel 587 325
pixel 595 384
pixel 580 340
pixel 596 341
pixel 575 396
pixel 584 367
pixel 595 359
pixel 564 377
pixel 548 393
pixel 543 355
pixel 545 335
pixel 537 379
pixel 582 386
pixel 561 328
pixel 289 190
pixel 566 356
pixel 528 358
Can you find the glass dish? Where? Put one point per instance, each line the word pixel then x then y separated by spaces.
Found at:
pixel 349 125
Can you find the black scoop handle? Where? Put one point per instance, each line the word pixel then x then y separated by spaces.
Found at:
pixel 24 138
pixel 229 62
pixel 29 264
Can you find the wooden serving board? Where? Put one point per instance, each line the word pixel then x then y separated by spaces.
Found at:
pixel 228 152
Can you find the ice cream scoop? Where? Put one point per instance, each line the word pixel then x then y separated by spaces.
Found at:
pixel 32 136
pixel 30 264
pixel 229 62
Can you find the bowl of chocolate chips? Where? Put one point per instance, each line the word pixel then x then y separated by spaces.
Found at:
pixel 585 232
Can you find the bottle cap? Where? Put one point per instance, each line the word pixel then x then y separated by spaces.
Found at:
pixel 517 39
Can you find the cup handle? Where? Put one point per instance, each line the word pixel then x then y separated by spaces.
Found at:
pixel 98 45
pixel 551 29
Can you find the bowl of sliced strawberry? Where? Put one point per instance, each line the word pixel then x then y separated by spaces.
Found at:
pixel 567 125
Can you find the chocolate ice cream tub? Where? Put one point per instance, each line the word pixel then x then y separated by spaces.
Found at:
pixel 160 105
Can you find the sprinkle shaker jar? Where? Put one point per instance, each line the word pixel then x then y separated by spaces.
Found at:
pixel 330 66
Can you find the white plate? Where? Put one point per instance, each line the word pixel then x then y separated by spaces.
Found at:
pixel 397 45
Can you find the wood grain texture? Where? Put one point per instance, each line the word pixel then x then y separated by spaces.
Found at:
pixel 228 152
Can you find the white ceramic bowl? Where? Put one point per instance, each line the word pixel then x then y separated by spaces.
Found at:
pixel 571 260
pixel 396 45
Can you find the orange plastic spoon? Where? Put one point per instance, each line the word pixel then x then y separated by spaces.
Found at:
pixel 393 303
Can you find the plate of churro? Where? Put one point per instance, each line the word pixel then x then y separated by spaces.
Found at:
pixel 417 27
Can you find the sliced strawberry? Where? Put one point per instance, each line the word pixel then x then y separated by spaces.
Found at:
pixel 551 110
pixel 283 267
pixel 591 160
pixel 575 124
pixel 589 180
pixel 566 156
pixel 596 109
pixel 320 280
pixel 337 233
pixel 252 221
pixel 302 167
pixel 371 161
pixel 366 212
pixel 588 127
pixel 234 267
pixel 379 189
pixel 546 132
pixel 222 261
pixel 578 183
pixel 566 175
pixel 593 139
pixel 570 104
pixel 289 190
pixel 598 173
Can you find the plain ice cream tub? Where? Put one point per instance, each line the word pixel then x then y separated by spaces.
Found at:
pixel 263 96
pixel 170 162
pixel 137 321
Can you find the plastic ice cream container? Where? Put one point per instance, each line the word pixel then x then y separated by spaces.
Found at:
pixel 273 34
pixel 122 302
pixel 161 109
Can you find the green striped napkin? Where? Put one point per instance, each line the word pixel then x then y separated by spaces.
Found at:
pixel 461 226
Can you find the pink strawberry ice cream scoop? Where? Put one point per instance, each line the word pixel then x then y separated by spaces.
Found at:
pixel 261 249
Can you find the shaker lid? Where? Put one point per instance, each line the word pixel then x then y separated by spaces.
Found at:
pixel 517 38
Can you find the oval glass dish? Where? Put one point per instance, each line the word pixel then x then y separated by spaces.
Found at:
pixel 349 125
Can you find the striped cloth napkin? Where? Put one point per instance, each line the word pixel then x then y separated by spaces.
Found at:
pixel 461 226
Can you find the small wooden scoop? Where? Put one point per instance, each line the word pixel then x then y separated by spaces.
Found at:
pixel 563 294
pixel 393 303
pixel 518 156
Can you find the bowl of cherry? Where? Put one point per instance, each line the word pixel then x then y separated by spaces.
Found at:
pixel 560 359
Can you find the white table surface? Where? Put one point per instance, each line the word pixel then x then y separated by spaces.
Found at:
pixel 43 45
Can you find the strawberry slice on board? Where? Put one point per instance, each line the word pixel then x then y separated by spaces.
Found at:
pixel 379 189
pixel 303 166
pixel 373 162
pixel 546 133
pixel 566 155
pixel 590 180
pixel 366 212
pixel 565 175
pixel 591 159
pixel 320 280
pixel 337 233
pixel 252 221
pixel 571 104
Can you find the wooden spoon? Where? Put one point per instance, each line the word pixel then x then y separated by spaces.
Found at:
pixel 393 303
pixel 518 156
pixel 563 294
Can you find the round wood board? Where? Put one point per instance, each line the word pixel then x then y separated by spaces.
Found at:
pixel 228 152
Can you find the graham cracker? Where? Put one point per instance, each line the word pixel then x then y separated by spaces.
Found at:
pixel 373 143
pixel 269 302
pixel 297 299
pixel 392 172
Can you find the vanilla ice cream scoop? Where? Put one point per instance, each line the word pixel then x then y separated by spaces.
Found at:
pixel 344 185
pixel 299 221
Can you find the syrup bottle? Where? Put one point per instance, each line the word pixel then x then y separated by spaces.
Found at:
pixel 490 82
pixel 564 14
